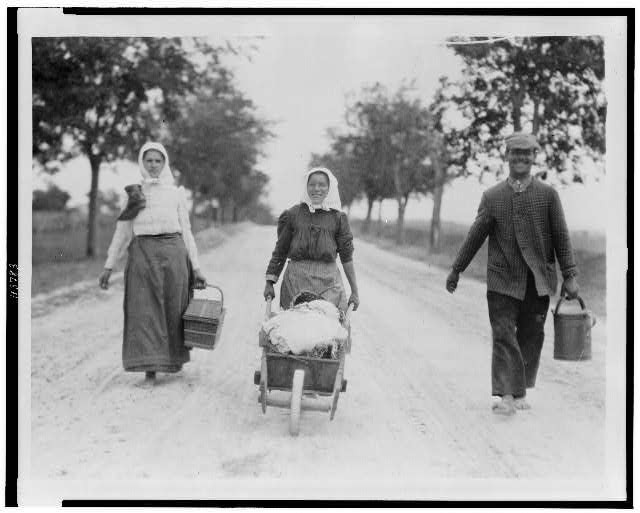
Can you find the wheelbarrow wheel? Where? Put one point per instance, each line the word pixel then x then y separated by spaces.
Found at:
pixel 296 401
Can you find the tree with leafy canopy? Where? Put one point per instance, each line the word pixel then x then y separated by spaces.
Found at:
pixel 103 97
pixel 444 154
pixel 395 134
pixel 248 196
pixel 216 144
pixel 549 86
pixel 376 179
pixel 342 163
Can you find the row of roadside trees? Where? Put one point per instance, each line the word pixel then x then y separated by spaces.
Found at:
pixel 104 97
pixel 397 147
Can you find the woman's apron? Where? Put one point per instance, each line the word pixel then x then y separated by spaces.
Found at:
pixel 318 277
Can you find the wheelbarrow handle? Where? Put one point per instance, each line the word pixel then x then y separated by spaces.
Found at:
pixel 267 312
pixel 347 315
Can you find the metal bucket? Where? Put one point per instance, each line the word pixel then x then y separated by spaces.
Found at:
pixel 572 333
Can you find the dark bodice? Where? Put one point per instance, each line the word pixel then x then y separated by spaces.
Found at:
pixel 306 235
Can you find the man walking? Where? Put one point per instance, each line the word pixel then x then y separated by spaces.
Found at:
pixel 527 233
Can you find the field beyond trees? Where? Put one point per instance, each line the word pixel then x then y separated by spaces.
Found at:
pixel 59 239
pixel 59 243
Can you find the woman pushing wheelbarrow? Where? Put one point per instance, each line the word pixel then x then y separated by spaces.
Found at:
pixel 311 235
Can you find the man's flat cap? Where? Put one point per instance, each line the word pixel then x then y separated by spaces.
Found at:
pixel 522 141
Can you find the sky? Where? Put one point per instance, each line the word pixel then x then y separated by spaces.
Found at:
pixel 303 71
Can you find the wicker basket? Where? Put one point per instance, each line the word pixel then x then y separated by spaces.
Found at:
pixel 203 321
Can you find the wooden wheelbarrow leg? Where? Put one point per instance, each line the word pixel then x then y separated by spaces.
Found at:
pixel 262 341
pixel 337 385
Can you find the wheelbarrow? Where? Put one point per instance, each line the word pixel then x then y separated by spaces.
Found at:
pixel 315 384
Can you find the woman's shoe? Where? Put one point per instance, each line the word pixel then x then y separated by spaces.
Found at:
pixel 521 404
pixel 505 406
pixel 149 380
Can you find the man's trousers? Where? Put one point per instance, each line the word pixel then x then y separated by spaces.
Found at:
pixel 518 333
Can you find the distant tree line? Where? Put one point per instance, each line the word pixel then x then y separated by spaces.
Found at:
pixel 52 199
pixel 104 97
pixel 397 147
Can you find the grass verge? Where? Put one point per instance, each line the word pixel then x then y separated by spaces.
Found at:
pixel 58 255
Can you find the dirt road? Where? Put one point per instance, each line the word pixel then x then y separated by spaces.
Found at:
pixel 415 421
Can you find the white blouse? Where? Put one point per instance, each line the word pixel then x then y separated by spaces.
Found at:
pixel 165 212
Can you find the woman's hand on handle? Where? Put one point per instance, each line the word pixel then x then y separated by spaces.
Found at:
pixel 103 280
pixel 350 272
pixel 355 300
pixel 269 291
pixel 199 281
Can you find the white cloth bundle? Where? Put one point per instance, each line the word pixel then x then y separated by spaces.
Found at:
pixel 305 326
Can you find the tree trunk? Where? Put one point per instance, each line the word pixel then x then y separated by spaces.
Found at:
pixel 434 235
pixel 536 116
pixel 367 220
pixel 215 213
pixel 516 115
pixel 215 207
pixel 234 213
pixel 517 98
pixel 402 205
pixel 92 226
pixel 379 232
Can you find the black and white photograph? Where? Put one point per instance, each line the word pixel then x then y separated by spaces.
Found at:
pixel 322 256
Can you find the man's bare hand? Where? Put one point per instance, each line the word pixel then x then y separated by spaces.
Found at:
pixel 452 281
pixel 570 287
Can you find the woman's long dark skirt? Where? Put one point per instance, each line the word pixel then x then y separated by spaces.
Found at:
pixel 156 294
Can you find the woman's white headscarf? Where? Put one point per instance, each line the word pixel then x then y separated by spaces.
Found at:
pixel 166 176
pixel 332 201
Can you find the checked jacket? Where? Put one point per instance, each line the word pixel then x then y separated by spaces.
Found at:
pixel 527 231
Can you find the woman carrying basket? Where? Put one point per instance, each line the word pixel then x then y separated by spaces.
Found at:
pixel 161 266
pixel 311 234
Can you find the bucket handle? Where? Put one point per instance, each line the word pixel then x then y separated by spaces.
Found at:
pixel 562 298
pixel 218 289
